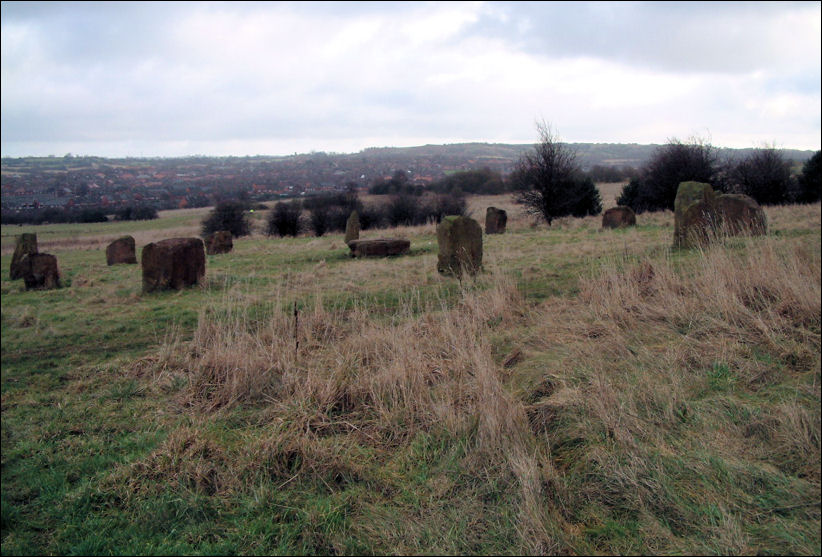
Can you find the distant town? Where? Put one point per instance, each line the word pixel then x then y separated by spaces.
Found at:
pixel 83 182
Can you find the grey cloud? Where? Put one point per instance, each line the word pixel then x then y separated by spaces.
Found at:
pixel 669 36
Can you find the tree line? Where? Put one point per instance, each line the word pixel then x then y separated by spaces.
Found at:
pixel 549 182
pixel 329 213
pixel 765 175
pixel 72 215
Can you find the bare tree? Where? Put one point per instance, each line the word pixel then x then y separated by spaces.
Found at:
pixel 550 183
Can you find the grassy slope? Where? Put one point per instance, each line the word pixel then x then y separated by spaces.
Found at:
pixel 562 402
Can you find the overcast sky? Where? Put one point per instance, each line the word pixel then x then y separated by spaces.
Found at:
pixel 234 78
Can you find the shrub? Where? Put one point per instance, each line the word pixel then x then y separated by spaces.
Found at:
pixel 810 180
pixel 141 212
pixel 371 216
pixel 764 175
pixel 550 183
pixel 284 219
pixel 484 181
pixel 329 213
pixel 401 210
pixel 671 164
pixel 318 218
pixel 442 205
pixel 227 215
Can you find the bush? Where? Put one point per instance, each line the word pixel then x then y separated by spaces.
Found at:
pixel 764 175
pixel 551 184
pixel 329 213
pixel 810 180
pixel 484 181
pixel 318 218
pixel 670 165
pixel 136 213
pixel 442 205
pixel 401 210
pixel 408 210
pixel 284 219
pixel 371 217
pixel 227 215
pixel 89 215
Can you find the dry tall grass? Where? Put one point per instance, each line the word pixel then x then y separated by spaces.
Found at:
pixel 591 391
pixel 610 402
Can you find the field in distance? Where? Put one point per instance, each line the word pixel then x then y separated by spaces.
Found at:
pixel 591 391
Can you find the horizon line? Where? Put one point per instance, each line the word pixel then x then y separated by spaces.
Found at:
pixel 343 153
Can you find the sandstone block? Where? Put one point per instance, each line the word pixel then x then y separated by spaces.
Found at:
pixel 495 220
pixel 352 227
pixel 26 245
pixel 40 271
pixel 121 250
pixel 460 246
pixel 618 217
pixel 173 264
pixel 741 214
pixel 380 247
pixel 219 242
pixel 695 215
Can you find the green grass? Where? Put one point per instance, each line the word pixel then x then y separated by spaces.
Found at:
pixel 657 435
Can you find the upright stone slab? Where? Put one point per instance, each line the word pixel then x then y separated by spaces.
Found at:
pixel 26 245
pixel 495 220
pixel 741 214
pixel 352 227
pixel 460 246
pixel 618 217
pixel 40 271
pixel 122 250
pixel 220 242
pixel 173 264
pixel 695 216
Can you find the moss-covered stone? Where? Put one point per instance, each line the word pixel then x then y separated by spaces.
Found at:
pixel 460 246
pixel 695 216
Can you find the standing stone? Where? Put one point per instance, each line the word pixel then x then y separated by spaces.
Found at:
pixel 741 214
pixel 26 245
pixel 219 242
pixel 460 246
pixel 352 227
pixel 173 263
pixel 121 250
pixel 40 271
pixel 495 220
pixel 618 217
pixel 695 216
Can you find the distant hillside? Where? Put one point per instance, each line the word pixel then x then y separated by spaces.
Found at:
pixel 589 154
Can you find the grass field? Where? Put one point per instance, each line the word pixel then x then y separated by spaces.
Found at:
pixel 591 392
